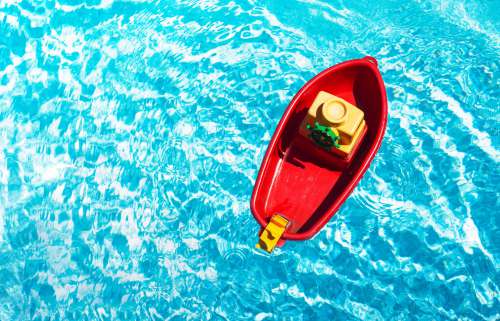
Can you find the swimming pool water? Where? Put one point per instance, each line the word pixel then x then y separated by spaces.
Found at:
pixel 131 133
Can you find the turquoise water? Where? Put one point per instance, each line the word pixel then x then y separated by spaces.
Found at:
pixel 131 134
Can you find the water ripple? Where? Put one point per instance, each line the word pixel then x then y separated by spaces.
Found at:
pixel 131 133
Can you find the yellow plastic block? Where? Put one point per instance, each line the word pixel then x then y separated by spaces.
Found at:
pixel 272 233
pixel 347 149
pixel 342 117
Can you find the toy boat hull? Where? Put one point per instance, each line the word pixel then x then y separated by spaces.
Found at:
pixel 303 183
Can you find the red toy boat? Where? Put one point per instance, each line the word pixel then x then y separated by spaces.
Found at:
pixel 304 184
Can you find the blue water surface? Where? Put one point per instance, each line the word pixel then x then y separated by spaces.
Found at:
pixel 131 134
